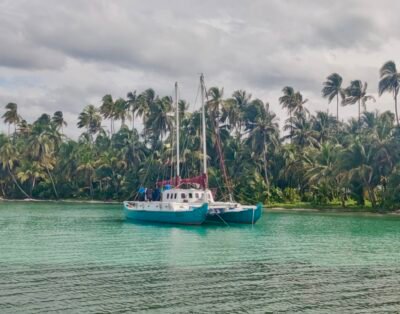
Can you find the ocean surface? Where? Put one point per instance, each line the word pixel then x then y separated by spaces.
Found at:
pixel 84 258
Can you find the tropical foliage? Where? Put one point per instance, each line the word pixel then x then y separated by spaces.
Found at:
pixel 313 157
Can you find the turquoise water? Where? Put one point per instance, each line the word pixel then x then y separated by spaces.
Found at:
pixel 88 259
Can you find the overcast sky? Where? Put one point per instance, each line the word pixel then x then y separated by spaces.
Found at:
pixel 63 55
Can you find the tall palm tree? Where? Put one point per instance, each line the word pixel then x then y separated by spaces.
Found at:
pixel 160 119
pixel 132 105
pixel 215 102
pixel 41 148
pixel 390 82
pixel 333 88
pixel 90 119
pixel 292 101
pixel 11 116
pixel 58 120
pixel 263 133
pixel 356 92
pixel 107 109
pixel 121 111
pixel 145 102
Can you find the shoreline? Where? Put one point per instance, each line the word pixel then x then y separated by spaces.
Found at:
pixel 27 200
pixel 333 210
pixel 292 208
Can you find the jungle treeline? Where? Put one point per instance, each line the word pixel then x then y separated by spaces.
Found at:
pixel 314 157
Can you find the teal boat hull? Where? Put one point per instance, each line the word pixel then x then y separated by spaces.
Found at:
pixel 245 216
pixel 196 215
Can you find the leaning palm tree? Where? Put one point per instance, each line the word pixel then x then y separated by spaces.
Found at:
pixel 11 116
pixel 9 157
pixel 390 82
pixel 333 88
pixel 356 92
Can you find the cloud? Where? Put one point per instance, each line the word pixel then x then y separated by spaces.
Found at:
pixel 65 54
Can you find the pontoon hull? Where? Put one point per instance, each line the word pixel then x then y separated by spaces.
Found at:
pixel 191 216
pixel 244 216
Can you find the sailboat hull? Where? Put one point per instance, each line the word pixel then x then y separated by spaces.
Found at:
pixel 192 215
pixel 242 216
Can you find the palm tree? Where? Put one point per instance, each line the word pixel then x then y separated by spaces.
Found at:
pixel 9 158
pixel 302 132
pixel 121 110
pixel 11 116
pixel 333 88
pixel 356 92
pixel 107 109
pixel 145 101
pixel 58 120
pixel 132 105
pixel 160 120
pixel 390 82
pixel 234 108
pixel 263 133
pixel 214 104
pixel 90 119
pixel 292 101
pixel 323 123
pixel 30 171
pixel 41 148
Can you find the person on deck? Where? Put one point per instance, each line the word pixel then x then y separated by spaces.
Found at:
pixel 142 194
pixel 149 194
pixel 157 194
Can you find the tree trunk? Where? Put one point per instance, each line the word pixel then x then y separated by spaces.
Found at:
pixel 16 183
pixel 266 168
pixel 291 126
pixel 221 157
pixel 359 111
pixel 337 107
pixel 32 186
pixel 395 108
pixel 133 138
pixel 52 182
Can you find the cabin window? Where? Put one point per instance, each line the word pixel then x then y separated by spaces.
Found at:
pixel 167 195
pixel 183 195
pixel 176 194
pixel 197 195
pixel 190 195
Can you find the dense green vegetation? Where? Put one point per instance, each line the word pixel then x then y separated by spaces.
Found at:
pixel 316 159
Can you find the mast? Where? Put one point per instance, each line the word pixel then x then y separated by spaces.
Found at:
pixel 204 132
pixel 177 130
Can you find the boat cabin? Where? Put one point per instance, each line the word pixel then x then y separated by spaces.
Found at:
pixel 186 196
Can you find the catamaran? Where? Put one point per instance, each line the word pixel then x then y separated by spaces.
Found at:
pixel 172 208
pixel 191 205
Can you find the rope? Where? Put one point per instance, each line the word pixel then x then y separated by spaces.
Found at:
pixel 222 219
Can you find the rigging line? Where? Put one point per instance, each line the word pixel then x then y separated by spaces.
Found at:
pixel 220 153
pixel 222 219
